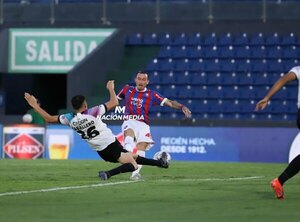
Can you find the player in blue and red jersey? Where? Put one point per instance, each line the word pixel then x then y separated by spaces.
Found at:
pixel 138 101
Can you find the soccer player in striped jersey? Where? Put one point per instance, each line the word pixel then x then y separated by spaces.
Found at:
pixel 294 166
pixel 138 101
pixel 88 124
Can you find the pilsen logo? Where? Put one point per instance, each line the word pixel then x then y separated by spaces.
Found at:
pixel 23 146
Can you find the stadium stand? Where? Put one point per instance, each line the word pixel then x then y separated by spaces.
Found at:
pixel 222 76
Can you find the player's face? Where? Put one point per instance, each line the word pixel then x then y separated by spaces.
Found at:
pixel 85 106
pixel 141 81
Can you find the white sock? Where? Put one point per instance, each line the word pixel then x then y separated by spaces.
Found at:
pixel 129 143
pixel 141 153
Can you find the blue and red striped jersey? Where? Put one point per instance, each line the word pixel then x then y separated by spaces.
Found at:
pixel 140 102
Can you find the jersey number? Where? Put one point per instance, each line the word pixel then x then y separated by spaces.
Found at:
pixel 91 133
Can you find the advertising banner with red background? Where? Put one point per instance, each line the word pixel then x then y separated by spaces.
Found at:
pixel 23 141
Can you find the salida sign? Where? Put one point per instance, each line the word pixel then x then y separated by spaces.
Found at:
pixel 23 142
pixel 51 50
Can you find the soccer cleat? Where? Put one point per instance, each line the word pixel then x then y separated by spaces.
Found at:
pixel 164 160
pixel 136 176
pixel 103 175
pixel 278 189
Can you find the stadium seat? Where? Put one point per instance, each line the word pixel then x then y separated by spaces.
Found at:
pixel 289 39
pixel 241 39
pixel 210 39
pixel 257 39
pixel 225 40
pixel 273 39
pixel 150 39
pixel 223 76
pixel 194 39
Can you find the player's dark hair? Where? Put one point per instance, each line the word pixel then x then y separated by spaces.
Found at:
pixel 142 72
pixel 77 101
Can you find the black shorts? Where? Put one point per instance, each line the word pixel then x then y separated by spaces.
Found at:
pixel 112 152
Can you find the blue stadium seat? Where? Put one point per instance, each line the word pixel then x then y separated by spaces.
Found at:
pixel 259 66
pixel 210 39
pixel 194 39
pixel 242 51
pixel 195 52
pixel 150 39
pixel 224 76
pixel 179 52
pixel 241 39
pixel 165 39
pixel 211 52
pixel 289 52
pixel 273 52
pixel 289 39
pixel 225 40
pixel 243 66
pixel 257 39
pixel 165 65
pixel 273 39
pixel 182 78
pixel 184 92
pixel 165 52
pixel 180 40
pixel 226 52
pixel 196 65
pixel 199 78
pixel 181 65
pixel 258 52
pixel 167 78
pixel 135 39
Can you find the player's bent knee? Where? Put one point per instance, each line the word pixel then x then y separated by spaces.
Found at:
pixel 142 146
pixel 129 132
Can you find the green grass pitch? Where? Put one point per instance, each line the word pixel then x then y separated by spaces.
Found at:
pixel 187 191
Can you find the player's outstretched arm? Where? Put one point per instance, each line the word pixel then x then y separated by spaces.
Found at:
pixel 176 105
pixel 275 88
pixel 31 100
pixel 113 101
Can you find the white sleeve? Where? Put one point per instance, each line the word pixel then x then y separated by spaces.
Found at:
pixel 163 102
pixel 296 70
pixel 102 109
pixel 62 119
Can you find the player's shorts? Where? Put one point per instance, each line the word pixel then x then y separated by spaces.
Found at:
pixel 112 152
pixel 141 131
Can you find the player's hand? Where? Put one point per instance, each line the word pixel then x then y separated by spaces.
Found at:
pixel 110 85
pixel 186 112
pixel 30 99
pixel 261 104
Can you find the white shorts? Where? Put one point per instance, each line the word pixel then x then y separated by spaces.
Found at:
pixel 141 131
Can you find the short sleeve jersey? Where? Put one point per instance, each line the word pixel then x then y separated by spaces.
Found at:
pixel 90 127
pixel 140 102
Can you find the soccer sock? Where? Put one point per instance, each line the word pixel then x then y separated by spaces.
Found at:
pixel 129 143
pixel 141 153
pixel 124 168
pixel 291 170
pixel 146 161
